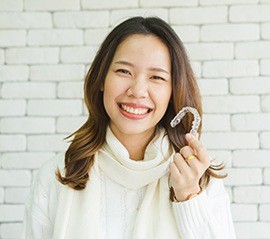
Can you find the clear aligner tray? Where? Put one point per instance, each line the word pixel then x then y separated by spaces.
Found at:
pixel 196 122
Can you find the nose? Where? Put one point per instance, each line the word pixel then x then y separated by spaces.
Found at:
pixel 138 88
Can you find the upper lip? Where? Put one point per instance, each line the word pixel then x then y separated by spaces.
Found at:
pixel 135 105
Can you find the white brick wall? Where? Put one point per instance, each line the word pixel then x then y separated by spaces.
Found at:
pixel 245 212
pixel 47 46
pixel 25 20
pixel 203 15
pixel 11 5
pixel 32 55
pixel 265 28
pixel 85 19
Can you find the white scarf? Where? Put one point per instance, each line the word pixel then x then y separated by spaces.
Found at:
pixel 79 211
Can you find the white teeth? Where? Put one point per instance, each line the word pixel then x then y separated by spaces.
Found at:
pixel 133 111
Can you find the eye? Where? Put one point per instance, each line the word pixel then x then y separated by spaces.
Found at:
pixel 158 78
pixel 123 71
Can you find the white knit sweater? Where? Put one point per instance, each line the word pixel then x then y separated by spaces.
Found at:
pixel 207 216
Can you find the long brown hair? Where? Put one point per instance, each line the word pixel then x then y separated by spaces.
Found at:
pixel 88 139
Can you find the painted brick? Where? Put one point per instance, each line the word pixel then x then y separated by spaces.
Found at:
pixel 10 230
pixel 28 125
pixel 250 13
pixel 230 140
pixel 70 90
pixel 2 57
pixel 252 194
pixel 11 5
pixel 213 86
pixel 57 72
pixel 55 37
pixel 256 230
pixel 210 51
pixel 69 125
pixel 95 36
pixel 245 86
pixel 188 33
pixel 51 5
pixel 265 29
pixel 86 19
pixel 2 195
pixel 265 101
pixel 14 73
pixel 45 143
pixel 12 107
pixel 198 15
pixel 15 178
pixel 9 213
pixel 265 67
pixel 32 55
pixel 251 158
pixel 11 38
pixel 231 104
pixel 266 175
pixel 197 68
pixel 251 122
pixel 16 195
pixel 56 107
pixel 215 122
pixel 252 50
pixel 19 20
pixel 168 3
pixel 243 176
pixel 244 212
pixel 225 2
pixel 265 140
pixel 221 156
pixel 12 143
pixel 234 68
pixel 85 110
pixel 118 16
pixel 83 54
pixel 28 90
pixel 105 4
pixel 264 211
pixel 230 32
pixel 229 191
pixel 25 160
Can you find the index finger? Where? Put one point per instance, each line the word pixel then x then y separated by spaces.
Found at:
pixel 196 145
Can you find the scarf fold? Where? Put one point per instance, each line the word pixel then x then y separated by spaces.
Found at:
pixel 78 212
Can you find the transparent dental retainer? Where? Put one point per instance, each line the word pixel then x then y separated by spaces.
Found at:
pixel 195 123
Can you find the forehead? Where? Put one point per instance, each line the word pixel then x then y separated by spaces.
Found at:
pixel 144 49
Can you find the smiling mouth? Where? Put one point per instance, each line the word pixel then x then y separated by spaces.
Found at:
pixel 135 111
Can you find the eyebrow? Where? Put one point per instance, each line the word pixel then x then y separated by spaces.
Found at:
pixel 151 69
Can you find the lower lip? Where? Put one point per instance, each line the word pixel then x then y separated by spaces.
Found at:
pixel 132 116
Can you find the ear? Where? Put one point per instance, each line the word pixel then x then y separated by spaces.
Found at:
pixel 102 88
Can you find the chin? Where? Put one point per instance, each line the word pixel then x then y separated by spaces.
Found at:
pixel 131 130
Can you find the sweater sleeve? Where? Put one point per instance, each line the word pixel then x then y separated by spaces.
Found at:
pixel 206 216
pixel 37 222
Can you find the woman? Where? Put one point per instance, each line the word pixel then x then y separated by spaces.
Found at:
pixel 127 173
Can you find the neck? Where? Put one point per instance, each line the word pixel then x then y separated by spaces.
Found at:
pixel 135 143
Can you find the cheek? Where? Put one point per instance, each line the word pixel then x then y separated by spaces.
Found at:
pixel 162 95
pixel 112 90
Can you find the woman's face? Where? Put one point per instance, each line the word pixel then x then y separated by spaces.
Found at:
pixel 138 85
